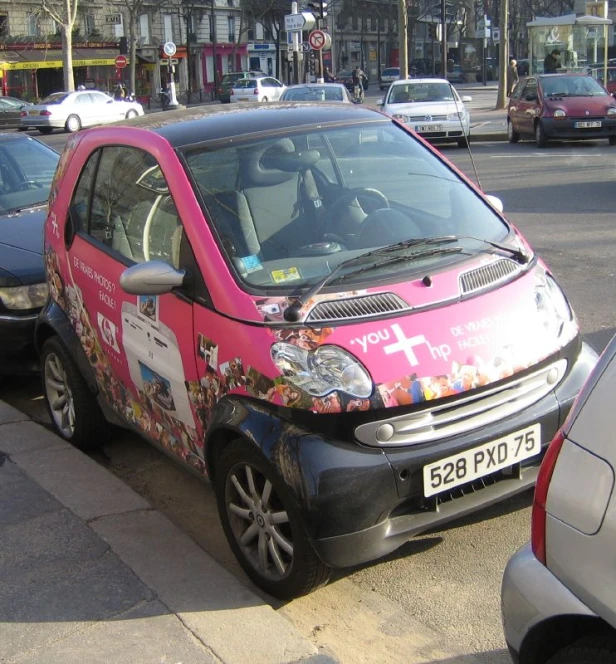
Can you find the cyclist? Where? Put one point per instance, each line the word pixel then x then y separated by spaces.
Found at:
pixel 358 84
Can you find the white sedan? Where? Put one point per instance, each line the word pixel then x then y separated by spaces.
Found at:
pixel 74 110
pixel 431 107
pixel 257 89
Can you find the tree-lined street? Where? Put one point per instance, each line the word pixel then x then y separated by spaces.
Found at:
pixel 441 589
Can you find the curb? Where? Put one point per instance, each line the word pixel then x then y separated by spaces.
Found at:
pixel 206 602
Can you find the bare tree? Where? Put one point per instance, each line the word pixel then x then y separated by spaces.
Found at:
pixel 64 13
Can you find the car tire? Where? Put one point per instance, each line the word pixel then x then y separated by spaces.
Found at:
pixel 612 140
pixel 512 134
pixel 541 138
pixel 131 114
pixel 71 404
pixel 589 650
pixel 45 130
pixel 73 124
pixel 265 99
pixel 464 142
pixel 278 556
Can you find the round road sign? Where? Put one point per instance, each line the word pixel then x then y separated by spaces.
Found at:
pixel 121 61
pixel 169 49
pixel 319 40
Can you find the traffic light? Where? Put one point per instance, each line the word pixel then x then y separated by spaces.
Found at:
pixel 432 33
pixel 317 7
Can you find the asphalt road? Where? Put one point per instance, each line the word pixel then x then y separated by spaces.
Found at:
pixel 446 583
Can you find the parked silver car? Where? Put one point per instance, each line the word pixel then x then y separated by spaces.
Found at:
pixel 558 593
pixel 74 110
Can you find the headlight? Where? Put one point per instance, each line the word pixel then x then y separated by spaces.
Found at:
pixel 611 110
pixel 559 113
pixel 552 305
pixel 456 116
pixel 323 370
pixel 400 118
pixel 24 297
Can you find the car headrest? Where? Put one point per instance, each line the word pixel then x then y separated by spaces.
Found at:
pixel 292 162
pixel 272 164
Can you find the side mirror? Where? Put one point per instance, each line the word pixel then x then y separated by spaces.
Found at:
pixel 380 102
pixel 496 202
pixel 466 99
pixel 151 278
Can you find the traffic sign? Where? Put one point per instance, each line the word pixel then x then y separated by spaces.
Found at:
pixel 319 40
pixel 165 61
pixel 305 47
pixel 169 49
pixel 121 61
pixel 299 22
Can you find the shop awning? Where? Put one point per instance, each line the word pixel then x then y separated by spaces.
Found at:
pixel 50 59
pixel 568 19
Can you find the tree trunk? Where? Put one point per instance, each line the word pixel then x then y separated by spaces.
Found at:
pixel 501 99
pixel 132 62
pixel 67 58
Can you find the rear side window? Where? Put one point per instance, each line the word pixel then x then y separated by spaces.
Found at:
pixel 132 211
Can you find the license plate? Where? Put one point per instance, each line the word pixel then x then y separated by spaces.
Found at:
pixel 33 112
pixel 483 460
pixel 588 124
pixel 420 128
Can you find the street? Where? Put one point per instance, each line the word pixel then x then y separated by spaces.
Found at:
pixel 443 585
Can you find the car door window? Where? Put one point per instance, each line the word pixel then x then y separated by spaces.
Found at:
pixel 81 198
pixel 132 211
pixel 82 100
pixel 530 90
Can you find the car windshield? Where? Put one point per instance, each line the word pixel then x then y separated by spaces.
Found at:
pixel 231 78
pixel 313 93
pixel 55 98
pixel 420 92
pixel 27 168
pixel 571 86
pixel 288 209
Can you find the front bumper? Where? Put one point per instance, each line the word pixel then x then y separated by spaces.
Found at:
pixel 566 129
pixel 449 130
pixel 17 352
pixel 360 502
pixel 530 595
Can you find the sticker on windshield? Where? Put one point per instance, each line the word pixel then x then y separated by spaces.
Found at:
pixel 290 274
pixel 251 264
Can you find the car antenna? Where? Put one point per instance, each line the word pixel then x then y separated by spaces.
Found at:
pixel 467 139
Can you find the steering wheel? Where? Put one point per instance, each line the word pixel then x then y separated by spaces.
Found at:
pixel 359 203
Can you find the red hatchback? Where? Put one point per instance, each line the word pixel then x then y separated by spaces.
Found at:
pixel 561 106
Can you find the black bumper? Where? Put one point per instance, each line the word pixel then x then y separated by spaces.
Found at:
pixel 360 503
pixel 17 352
pixel 565 129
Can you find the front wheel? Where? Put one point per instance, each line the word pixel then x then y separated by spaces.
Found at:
pixel 262 524
pixel 131 114
pixel 512 134
pixel 73 124
pixel 464 142
pixel 589 650
pixel 540 136
pixel 45 130
pixel 71 404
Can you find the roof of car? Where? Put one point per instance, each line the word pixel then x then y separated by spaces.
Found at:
pixel 420 80
pixel 217 122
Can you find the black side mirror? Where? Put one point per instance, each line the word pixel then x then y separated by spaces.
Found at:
pixel 530 97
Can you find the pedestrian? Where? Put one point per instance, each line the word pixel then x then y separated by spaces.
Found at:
pixel 551 62
pixel 327 76
pixel 358 83
pixel 512 76
pixel 119 92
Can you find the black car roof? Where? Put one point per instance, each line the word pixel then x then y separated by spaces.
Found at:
pixel 218 122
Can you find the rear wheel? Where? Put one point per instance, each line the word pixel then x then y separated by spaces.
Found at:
pixel 73 124
pixel 512 134
pixel 261 521
pixel 265 99
pixel 464 142
pixel 45 130
pixel 540 136
pixel 589 650
pixel 71 404
pixel 131 114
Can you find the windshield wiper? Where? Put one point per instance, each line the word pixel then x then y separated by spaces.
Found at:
pixel 291 313
pixel 520 255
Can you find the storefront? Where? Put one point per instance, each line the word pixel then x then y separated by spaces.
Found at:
pixel 36 72
pixel 229 57
pixel 262 57
pixel 573 42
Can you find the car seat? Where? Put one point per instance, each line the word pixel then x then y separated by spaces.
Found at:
pixel 402 96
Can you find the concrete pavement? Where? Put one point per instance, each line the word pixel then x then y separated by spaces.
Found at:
pixel 90 572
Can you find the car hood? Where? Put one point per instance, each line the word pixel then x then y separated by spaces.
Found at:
pixel 21 246
pixel 579 106
pixel 415 109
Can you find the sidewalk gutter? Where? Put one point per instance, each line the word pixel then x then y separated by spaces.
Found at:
pixel 92 573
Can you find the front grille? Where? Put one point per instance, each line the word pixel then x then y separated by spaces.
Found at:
pixel 466 413
pixel 433 118
pixel 357 307
pixel 488 275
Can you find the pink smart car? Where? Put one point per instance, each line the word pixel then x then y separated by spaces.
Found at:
pixel 312 308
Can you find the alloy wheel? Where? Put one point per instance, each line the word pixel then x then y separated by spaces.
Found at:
pixel 259 521
pixel 59 395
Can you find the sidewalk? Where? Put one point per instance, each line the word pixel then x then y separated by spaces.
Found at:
pixel 91 573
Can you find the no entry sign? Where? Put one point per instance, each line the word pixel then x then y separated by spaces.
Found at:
pixel 121 61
